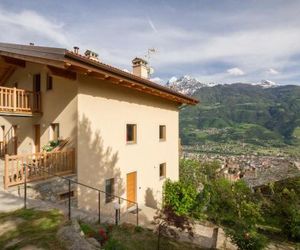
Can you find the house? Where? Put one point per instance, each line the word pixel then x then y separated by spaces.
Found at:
pixel 119 130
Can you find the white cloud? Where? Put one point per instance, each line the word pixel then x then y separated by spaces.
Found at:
pixel 272 71
pixel 29 25
pixel 235 72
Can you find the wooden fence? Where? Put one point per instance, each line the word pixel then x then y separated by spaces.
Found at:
pixel 2 148
pixel 19 101
pixel 37 166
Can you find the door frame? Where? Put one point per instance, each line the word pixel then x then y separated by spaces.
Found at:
pixel 130 204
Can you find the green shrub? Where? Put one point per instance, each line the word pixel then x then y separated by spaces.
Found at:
pixel 246 239
pixel 113 244
pixel 180 196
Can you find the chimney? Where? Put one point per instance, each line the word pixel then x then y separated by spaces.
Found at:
pixel 76 50
pixel 91 55
pixel 140 67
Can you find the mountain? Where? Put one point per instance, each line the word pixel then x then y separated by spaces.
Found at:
pixel 189 85
pixel 259 114
pixel 186 84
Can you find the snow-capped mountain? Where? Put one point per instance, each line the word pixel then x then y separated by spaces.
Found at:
pixel 189 85
pixel 186 84
pixel 266 84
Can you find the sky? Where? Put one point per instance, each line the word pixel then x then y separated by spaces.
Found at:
pixel 221 41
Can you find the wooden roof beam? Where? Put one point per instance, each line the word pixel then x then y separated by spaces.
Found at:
pixel 62 73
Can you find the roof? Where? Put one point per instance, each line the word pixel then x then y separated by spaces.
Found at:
pixel 59 59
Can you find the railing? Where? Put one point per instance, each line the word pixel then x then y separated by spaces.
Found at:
pixel 116 216
pixel 2 148
pixel 19 101
pixel 58 163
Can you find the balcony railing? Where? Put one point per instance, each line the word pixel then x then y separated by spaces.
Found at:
pixel 19 101
pixel 37 166
pixel 2 148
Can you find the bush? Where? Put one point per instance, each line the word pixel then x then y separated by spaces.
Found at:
pixel 180 196
pixel 246 239
pixel 113 244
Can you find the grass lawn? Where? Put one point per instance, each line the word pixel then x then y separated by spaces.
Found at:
pixel 30 228
pixel 133 238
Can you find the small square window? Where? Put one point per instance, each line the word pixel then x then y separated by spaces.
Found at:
pixel 131 133
pixel 49 82
pixel 54 132
pixel 109 190
pixel 162 170
pixel 162 132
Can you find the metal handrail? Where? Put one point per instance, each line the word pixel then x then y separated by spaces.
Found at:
pixel 84 185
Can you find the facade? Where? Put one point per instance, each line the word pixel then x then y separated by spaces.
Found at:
pixel 122 127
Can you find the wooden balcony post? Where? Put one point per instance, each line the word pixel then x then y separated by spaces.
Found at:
pixel 15 99
pixel 6 177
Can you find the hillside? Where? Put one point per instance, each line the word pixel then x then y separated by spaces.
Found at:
pixel 243 113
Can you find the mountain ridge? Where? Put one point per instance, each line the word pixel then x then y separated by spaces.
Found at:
pixel 189 85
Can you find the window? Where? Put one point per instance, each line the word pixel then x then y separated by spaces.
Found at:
pixel 54 132
pixel 109 189
pixel 66 195
pixel 162 170
pixel 49 85
pixel 131 133
pixel 162 132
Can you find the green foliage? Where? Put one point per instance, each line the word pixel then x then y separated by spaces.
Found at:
pixel 113 244
pixel 87 229
pixel 50 146
pixel 195 173
pixel 282 204
pixel 246 239
pixel 180 196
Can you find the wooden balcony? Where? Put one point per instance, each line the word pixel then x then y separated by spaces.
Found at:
pixel 38 166
pixel 19 102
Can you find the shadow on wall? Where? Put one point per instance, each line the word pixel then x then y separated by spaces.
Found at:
pixel 149 199
pixel 95 165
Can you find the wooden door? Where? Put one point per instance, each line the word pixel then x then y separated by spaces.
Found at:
pixel 131 188
pixel 37 138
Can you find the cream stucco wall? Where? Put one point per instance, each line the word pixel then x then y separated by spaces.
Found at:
pixel 59 105
pixel 104 110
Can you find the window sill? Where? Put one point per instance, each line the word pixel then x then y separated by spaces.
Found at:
pixel 162 140
pixel 162 178
pixel 131 142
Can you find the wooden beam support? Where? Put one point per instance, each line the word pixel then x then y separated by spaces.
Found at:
pixel 7 75
pixel 63 73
